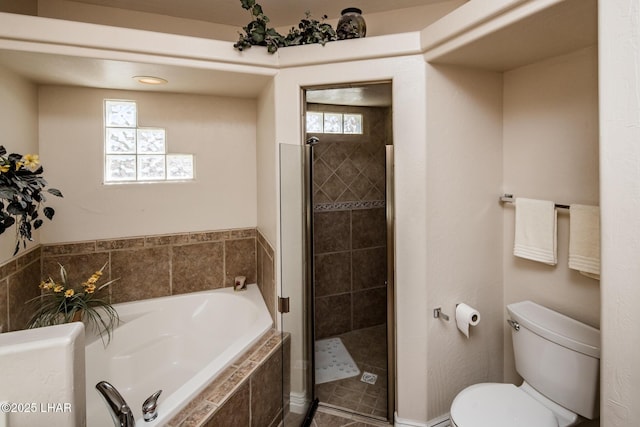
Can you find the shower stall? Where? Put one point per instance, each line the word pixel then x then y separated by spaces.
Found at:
pixel 346 186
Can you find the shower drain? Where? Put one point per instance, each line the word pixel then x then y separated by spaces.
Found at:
pixel 369 378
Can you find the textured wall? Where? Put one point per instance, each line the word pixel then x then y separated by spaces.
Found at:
pixel 220 132
pixel 620 216
pixel 551 153
pixel 464 235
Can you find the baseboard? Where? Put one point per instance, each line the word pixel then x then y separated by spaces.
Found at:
pixel 399 422
pixel 441 421
pixel 298 403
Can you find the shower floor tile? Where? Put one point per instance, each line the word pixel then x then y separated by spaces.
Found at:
pixel 369 351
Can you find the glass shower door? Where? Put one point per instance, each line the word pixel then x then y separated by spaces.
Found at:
pixel 297 380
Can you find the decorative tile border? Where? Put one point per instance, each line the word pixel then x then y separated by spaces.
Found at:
pixel 212 399
pixel 342 206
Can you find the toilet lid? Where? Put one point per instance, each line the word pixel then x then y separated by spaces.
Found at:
pixel 499 405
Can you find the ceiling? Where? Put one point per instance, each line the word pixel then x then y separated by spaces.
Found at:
pixel 280 12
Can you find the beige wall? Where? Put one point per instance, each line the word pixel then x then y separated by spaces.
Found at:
pixel 619 38
pixel 551 153
pixel 396 21
pixel 220 132
pixel 74 11
pixel 19 124
pixel 464 229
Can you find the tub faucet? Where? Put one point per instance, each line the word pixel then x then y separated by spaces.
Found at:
pixel 118 408
pixel 150 407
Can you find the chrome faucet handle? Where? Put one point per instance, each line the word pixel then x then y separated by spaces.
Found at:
pixel 150 407
pixel 118 408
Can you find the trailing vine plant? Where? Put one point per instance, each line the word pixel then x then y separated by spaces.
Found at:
pixel 258 33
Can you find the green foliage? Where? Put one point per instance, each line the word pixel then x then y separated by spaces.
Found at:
pixel 258 33
pixel 61 302
pixel 22 194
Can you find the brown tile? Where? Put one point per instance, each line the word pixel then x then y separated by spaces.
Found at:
pixel 8 268
pixel 224 388
pixel 29 257
pixel 369 307
pixel 240 260
pixel 269 284
pixel 242 233
pixel 209 236
pixel 23 286
pixel 333 187
pixel 197 267
pixel 115 244
pixel 169 239
pixel 4 305
pixel 142 273
pixel 265 243
pixel 333 315
pixel 199 415
pixel 234 412
pixel 266 391
pixel 331 231
pixel 332 273
pixel 369 228
pixel 69 248
pixel 321 172
pixel 369 268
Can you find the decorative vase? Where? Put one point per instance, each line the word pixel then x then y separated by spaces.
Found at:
pixel 351 24
pixel 77 316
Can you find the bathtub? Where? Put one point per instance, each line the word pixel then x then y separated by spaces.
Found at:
pixel 178 344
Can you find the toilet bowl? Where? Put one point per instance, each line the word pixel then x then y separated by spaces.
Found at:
pixel 558 358
pixel 505 405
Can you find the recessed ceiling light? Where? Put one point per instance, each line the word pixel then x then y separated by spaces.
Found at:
pixel 150 80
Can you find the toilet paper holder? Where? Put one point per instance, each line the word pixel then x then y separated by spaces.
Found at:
pixel 437 313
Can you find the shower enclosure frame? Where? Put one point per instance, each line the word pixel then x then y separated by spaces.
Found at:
pixel 309 253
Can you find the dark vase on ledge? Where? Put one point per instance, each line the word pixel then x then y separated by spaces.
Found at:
pixel 351 24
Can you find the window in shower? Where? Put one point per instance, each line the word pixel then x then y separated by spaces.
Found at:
pixel 139 154
pixel 336 123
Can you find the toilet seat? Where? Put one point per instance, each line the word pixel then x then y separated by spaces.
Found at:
pixel 499 405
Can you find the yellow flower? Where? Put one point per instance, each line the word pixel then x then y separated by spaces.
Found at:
pixel 4 168
pixel 48 284
pixel 90 289
pixel 31 161
pixel 58 288
pixel 69 293
pixel 18 165
pixel 93 279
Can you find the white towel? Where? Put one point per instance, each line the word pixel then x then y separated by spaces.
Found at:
pixel 584 240
pixel 536 235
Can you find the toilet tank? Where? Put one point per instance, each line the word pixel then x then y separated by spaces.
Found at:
pixel 558 356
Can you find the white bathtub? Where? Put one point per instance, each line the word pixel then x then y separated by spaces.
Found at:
pixel 177 344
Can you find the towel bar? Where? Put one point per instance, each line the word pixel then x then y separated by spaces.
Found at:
pixel 508 198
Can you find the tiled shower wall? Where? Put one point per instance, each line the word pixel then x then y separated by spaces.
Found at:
pixel 350 224
pixel 146 267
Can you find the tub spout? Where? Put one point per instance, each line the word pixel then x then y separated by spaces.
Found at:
pixel 118 408
pixel 150 407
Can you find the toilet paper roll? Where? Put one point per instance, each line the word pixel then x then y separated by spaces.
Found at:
pixel 466 316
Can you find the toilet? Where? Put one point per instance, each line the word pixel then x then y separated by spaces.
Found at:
pixel 558 358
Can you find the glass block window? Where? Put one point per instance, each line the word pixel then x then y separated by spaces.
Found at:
pixel 315 122
pixel 139 154
pixel 337 123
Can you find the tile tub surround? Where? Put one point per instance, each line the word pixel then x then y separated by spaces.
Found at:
pixel 147 267
pixel 19 279
pixel 249 393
